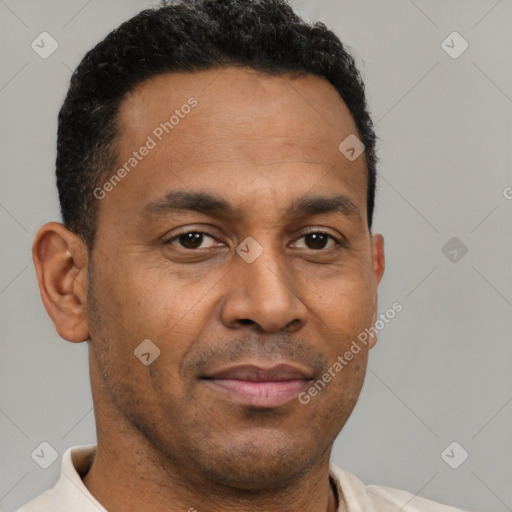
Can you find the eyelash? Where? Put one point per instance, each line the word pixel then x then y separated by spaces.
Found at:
pixel 316 231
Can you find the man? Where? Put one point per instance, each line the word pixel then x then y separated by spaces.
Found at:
pixel 216 171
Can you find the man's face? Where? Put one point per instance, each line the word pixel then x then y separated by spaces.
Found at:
pixel 218 401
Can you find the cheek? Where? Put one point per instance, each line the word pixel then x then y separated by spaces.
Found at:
pixel 342 316
pixel 345 304
pixel 162 307
pixel 145 301
pixel 137 310
pixel 329 409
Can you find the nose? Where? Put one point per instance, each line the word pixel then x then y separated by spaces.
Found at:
pixel 262 297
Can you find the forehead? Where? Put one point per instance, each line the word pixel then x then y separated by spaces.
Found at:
pixel 245 128
pixel 239 101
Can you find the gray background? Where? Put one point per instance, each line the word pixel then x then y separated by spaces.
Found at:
pixel 441 371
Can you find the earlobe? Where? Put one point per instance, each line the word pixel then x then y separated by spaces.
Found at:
pixel 372 340
pixel 378 258
pixel 378 264
pixel 60 259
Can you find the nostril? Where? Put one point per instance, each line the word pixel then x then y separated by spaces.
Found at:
pixel 246 321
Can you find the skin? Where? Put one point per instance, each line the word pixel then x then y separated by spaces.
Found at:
pixel 166 438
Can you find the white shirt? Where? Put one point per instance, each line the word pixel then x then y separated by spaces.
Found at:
pixel 70 494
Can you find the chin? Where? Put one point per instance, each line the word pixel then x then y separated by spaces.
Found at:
pixel 260 461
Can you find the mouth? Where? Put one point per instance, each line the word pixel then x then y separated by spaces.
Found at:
pixel 258 386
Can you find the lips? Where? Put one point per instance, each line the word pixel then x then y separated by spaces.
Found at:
pixel 260 386
pixel 255 373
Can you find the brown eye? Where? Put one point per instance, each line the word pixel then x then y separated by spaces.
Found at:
pixel 318 240
pixel 191 240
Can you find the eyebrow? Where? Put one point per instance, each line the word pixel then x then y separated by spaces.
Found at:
pixel 320 204
pixel 202 202
pixel 211 204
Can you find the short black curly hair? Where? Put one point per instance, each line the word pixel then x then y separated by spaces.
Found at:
pixel 189 35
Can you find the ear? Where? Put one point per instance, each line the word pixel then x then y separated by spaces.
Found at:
pixel 60 259
pixel 378 262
